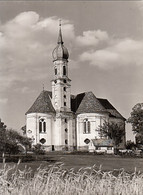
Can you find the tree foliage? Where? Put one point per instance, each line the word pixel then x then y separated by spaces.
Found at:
pixel 136 118
pixel 38 149
pixel 11 139
pixel 114 131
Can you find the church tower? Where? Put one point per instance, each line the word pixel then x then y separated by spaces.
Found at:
pixel 63 133
pixel 61 83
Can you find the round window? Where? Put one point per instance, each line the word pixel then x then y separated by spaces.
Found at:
pixel 86 141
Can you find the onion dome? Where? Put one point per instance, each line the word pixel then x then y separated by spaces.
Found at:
pixel 60 52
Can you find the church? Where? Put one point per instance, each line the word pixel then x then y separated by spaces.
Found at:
pixel 61 121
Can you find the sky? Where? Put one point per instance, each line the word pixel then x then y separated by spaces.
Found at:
pixel 104 40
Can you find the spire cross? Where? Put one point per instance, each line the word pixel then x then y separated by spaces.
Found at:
pixel 60 39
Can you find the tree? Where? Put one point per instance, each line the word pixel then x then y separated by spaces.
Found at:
pixel 114 131
pixel 10 140
pixel 2 126
pixel 136 120
pixel 15 139
pixel 2 136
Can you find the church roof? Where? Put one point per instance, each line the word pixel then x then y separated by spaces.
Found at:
pixel 81 103
pixel 87 103
pixel 113 112
pixel 42 104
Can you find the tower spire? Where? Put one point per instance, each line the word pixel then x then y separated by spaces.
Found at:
pixel 60 39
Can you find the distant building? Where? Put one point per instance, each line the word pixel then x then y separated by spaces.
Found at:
pixel 61 121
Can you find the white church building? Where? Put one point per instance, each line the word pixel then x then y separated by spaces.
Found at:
pixel 61 121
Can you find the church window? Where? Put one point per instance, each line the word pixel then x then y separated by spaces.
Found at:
pixel 65 81
pixel 86 141
pixel 64 88
pixel 66 141
pixel 65 104
pixel 66 120
pixel 64 70
pixel 64 96
pixel 86 126
pixel 66 130
pixel 42 141
pixel 55 71
pixel 42 126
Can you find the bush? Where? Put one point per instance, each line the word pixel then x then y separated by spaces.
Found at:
pixel 38 149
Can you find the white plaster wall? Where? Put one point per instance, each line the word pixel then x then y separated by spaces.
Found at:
pixel 96 119
pixel 57 88
pixel 32 127
pixel 59 65
pixel 70 132
pixel 57 131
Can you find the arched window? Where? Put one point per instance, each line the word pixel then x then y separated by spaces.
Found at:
pixel 64 88
pixel 42 126
pixel 55 71
pixel 86 126
pixel 66 141
pixel 64 70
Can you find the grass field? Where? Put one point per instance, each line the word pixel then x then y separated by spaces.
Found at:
pixel 75 161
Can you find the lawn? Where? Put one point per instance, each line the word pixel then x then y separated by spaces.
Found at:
pixel 76 161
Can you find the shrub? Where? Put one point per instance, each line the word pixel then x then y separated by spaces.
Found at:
pixel 38 149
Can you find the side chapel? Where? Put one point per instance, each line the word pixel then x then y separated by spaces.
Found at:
pixel 61 121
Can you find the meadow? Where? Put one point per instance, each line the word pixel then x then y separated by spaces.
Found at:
pixel 73 174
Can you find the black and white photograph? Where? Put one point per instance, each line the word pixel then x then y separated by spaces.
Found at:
pixel 71 97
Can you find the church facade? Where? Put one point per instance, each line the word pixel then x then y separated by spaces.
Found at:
pixel 61 121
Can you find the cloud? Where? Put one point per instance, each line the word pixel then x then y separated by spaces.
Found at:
pixel 124 52
pixel 26 45
pixel 3 100
pixel 92 38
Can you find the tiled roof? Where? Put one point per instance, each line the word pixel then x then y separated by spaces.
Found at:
pixel 42 104
pixel 76 100
pixel 81 103
pixel 113 112
pixel 87 103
